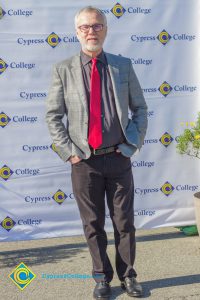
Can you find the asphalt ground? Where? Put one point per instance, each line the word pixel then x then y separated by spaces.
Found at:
pixel 167 263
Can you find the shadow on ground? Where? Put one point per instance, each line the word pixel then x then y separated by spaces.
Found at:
pixel 149 286
pixel 53 254
pixel 43 255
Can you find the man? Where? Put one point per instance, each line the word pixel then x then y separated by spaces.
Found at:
pixel 94 90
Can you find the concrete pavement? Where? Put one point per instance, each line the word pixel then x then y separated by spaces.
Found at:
pixel 167 263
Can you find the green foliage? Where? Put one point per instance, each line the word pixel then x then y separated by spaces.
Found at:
pixel 189 230
pixel 189 141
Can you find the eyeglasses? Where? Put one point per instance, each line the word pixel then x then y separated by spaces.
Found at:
pixel 95 27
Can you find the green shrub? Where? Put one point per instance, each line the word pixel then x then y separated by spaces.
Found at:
pixel 189 141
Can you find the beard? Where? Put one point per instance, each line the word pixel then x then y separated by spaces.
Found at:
pixel 92 48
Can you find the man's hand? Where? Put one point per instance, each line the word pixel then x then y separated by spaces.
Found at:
pixel 74 159
pixel 118 151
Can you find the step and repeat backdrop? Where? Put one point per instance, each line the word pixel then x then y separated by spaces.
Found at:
pixel 161 37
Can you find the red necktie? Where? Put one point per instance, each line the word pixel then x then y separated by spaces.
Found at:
pixel 95 127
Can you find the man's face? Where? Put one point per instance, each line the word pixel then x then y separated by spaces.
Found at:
pixel 91 41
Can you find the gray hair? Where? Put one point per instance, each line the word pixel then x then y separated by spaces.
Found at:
pixel 90 9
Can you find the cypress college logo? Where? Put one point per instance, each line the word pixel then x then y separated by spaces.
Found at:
pixel 5 172
pixel 53 147
pixel 164 37
pixel 59 197
pixel 165 88
pixel 4 119
pixel 3 66
pixel 8 223
pixel 53 40
pixel 166 139
pixel 22 276
pixel 167 188
pixel 2 12
pixel 118 10
pixel 23 120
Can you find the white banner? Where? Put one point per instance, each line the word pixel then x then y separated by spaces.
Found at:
pixel 162 40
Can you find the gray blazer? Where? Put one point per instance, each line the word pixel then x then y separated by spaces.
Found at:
pixel 67 97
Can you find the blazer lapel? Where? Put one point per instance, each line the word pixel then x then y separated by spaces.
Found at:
pixel 78 80
pixel 115 78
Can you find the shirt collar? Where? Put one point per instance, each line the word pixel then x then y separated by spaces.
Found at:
pixel 86 58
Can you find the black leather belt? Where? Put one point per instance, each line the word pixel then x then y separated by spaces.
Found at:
pixel 103 150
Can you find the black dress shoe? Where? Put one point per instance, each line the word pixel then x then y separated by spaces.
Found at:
pixel 102 290
pixel 132 287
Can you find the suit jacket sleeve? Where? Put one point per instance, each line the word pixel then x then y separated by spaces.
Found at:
pixel 138 108
pixel 56 110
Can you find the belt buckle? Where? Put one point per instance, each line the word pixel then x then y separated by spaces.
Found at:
pixel 94 151
pixel 104 150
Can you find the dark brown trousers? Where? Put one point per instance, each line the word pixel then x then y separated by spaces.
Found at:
pixel 109 174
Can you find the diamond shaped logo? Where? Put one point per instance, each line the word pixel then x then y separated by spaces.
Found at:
pixel 166 139
pixel 2 12
pixel 53 40
pixel 164 37
pixel 165 89
pixel 5 172
pixel 22 276
pixel 53 147
pixel 4 119
pixel 8 223
pixel 59 197
pixel 3 66
pixel 167 188
pixel 118 10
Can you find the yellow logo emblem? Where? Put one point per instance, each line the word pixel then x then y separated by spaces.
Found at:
pixel 53 147
pixel 22 276
pixel 59 197
pixel 8 223
pixel 3 66
pixel 166 139
pixel 118 10
pixel 165 89
pixel 5 172
pixel 53 40
pixel 4 119
pixel 167 188
pixel 2 12
pixel 164 37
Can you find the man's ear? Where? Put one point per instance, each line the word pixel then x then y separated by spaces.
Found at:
pixel 106 29
pixel 77 35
